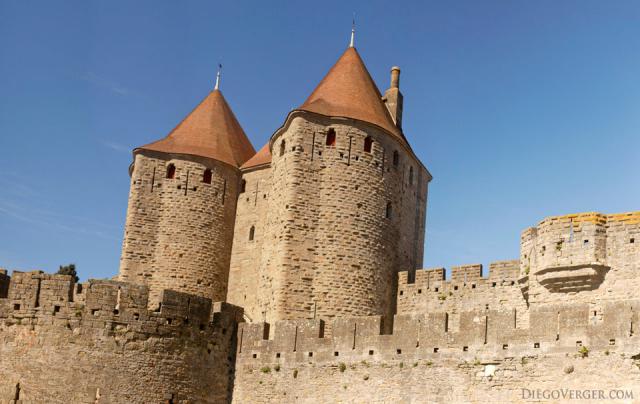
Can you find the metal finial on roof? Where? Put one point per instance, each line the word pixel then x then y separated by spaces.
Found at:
pixel 353 30
pixel 218 77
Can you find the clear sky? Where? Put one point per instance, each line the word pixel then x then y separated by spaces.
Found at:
pixel 520 110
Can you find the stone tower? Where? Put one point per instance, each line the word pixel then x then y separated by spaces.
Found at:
pixel 345 209
pixel 182 204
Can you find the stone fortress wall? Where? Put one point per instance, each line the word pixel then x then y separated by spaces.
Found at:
pixel 62 342
pixel 489 356
pixel 466 289
pixel 554 328
pixel 245 276
pixel 466 338
pixel 472 337
pixel 179 230
pixel 589 257
pixel 341 222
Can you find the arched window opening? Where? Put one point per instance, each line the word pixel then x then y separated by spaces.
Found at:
pixel 206 177
pixel 368 143
pixel 389 211
pixel 396 158
pixel 243 186
pixel 410 175
pixel 252 233
pixel 171 171
pixel 331 137
pixel 283 145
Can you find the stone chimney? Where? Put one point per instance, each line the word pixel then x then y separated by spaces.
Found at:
pixel 393 97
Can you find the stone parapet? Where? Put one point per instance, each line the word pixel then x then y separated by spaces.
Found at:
pixel 466 289
pixel 110 345
pixel 480 333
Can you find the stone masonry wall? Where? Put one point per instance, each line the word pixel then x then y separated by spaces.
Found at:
pixel 100 344
pixel 466 290
pixel 179 230
pixel 491 357
pixel 329 249
pixel 246 254
pixel 587 258
pixel 445 379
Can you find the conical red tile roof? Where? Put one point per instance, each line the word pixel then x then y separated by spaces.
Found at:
pixel 349 91
pixel 210 130
pixel 263 156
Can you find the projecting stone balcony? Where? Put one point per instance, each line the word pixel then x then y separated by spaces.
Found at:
pixel 572 278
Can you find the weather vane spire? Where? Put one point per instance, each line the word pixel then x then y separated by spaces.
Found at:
pixel 353 30
pixel 218 76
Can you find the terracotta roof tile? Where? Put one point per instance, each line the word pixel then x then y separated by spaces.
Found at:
pixel 210 130
pixel 263 156
pixel 349 91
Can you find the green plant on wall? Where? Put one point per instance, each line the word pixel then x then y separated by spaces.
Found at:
pixel 583 352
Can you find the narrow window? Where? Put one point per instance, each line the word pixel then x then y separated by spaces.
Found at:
pixel 410 175
pixel 243 186
pixel 396 158
pixel 206 177
pixel 252 233
pixel 389 211
pixel 446 322
pixel 283 145
pixel 368 143
pixel 171 171
pixel 331 137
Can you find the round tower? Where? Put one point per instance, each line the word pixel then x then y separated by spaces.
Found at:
pixel 347 202
pixel 182 204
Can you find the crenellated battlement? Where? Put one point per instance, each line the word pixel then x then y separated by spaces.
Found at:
pixel 37 298
pixel 463 274
pixel 480 333
pixel 112 347
pixel 465 290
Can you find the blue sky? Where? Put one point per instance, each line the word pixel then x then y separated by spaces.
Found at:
pixel 520 110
